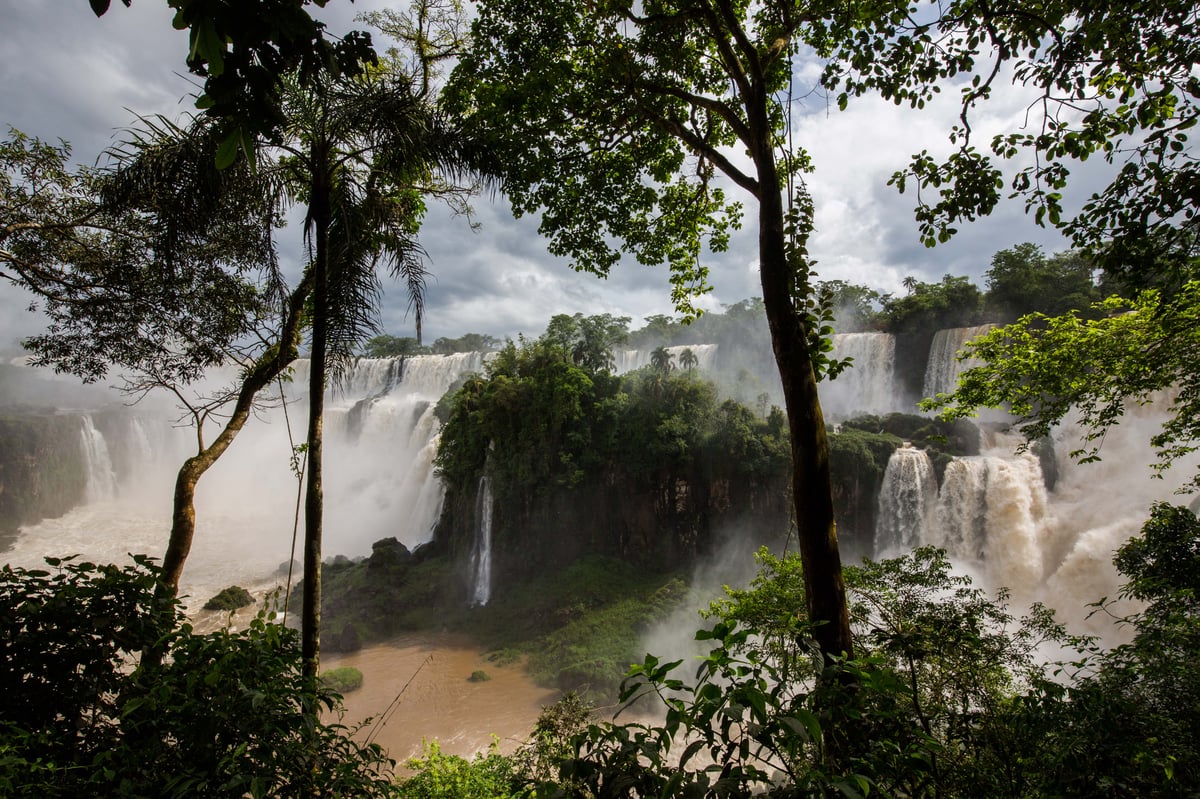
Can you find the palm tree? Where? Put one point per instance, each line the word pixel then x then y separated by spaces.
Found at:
pixel 660 360
pixel 359 153
pixel 688 359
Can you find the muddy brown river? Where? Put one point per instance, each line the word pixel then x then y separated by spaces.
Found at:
pixel 418 688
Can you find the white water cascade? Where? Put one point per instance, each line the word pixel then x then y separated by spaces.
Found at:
pixel 101 482
pixel 906 501
pixel 379 481
pixel 943 367
pixel 991 514
pixel 868 386
pixel 480 565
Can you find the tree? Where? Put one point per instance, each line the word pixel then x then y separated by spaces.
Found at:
pixel 660 360
pixel 160 266
pixel 856 307
pixel 614 121
pixel 1022 280
pixel 217 717
pixel 385 346
pixel 360 153
pixel 928 307
pixel 468 342
pixel 589 340
pixel 1113 81
pixel 688 359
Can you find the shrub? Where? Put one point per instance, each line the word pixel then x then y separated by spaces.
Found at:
pixel 343 680
pixel 222 714
pixel 232 598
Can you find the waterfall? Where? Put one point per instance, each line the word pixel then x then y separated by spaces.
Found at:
pixel 960 519
pixel 380 479
pixel 1016 516
pixel 867 386
pixel 991 512
pixel 480 565
pixel 906 501
pixel 101 477
pixel 943 367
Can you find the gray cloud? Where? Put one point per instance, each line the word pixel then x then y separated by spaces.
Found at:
pixel 64 73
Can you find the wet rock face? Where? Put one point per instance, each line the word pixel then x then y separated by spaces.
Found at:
pixel 42 474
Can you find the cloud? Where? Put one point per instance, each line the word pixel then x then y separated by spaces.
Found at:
pixel 68 74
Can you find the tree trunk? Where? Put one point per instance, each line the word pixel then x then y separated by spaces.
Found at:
pixel 812 489
pixel 267 368
pixel 310 623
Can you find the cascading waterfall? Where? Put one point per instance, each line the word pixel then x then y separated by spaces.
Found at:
pixel 101 476
pixel 480 564
pixel 960 520
pixel 868 385
pixel 906 501
pixel 943 367
pixel 379 477
pixel 991 514
pixel 383 415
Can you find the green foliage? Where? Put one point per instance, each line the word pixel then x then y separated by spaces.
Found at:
pixel 231 598
pixel 385 346
pixel 539 420
pixel 856 307
pixel 441 776
pixel 243 51
pixel 468 342
pixel 342 680
pixel 159 247
pixel 928 307
pixel 922 712
pixel 590 340
pixel 1041 368
pixel 479 675
pixel 219 715
pixel 1114 83
pixel 596 646
pixel 1022 280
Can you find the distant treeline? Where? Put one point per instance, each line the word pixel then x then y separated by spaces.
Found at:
pixel 1020 280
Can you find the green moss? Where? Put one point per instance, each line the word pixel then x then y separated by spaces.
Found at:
pixel 231 598
pixel 343 680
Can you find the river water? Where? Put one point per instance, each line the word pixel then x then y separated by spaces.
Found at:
pixel 418 688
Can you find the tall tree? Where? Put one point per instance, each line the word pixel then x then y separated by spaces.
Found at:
pixel 613 120
pixel 360 154
pixel 160 267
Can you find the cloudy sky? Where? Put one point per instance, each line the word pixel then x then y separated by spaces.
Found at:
pixel 66 74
